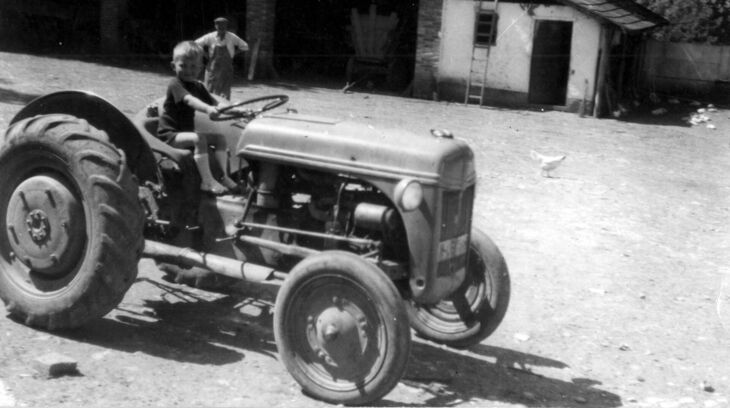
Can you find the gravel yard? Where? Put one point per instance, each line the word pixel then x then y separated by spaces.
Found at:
pixel 619 265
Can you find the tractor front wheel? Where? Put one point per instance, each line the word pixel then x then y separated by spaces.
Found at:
pixel 474 310
pixel 341 328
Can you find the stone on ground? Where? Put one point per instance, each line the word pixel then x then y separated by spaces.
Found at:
pixel 55 365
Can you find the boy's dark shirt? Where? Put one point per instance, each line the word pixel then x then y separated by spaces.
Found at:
pixel 177 116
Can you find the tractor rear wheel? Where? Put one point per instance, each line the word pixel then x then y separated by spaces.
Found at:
pixel 342 329
pixel 70 222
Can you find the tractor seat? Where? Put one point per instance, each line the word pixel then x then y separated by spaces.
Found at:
pixel 148 128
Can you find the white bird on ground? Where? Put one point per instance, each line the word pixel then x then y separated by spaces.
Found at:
pixel 547 163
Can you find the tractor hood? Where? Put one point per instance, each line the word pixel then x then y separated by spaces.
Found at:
pixel 354 148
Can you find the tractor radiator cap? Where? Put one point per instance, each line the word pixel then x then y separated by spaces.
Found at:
pixel 442 133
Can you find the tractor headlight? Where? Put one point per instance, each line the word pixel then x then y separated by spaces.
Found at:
pixel 408 194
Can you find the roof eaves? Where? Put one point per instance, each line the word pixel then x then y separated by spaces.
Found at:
pixel 606 10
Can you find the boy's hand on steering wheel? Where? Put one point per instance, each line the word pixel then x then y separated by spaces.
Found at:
pixel 214 112
pixel 241 113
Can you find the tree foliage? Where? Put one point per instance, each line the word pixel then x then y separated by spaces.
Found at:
pixel 702 21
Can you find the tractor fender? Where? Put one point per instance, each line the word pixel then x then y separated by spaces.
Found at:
pixel 104 116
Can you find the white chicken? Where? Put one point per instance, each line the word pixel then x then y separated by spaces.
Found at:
pixel 547 163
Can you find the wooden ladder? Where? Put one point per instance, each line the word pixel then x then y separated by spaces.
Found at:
pixel 483 38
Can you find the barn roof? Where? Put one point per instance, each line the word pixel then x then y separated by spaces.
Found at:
pixel 624 13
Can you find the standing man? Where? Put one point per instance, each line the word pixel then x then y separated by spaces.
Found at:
pixel 221 46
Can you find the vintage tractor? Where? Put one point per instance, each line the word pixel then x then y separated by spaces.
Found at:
pixel 367 230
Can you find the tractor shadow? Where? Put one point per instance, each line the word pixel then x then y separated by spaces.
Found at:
pixel 183 324
pixel 485 373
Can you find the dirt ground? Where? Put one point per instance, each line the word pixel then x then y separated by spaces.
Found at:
pixel 619 267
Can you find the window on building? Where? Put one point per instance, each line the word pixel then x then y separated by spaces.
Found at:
pixel 485 33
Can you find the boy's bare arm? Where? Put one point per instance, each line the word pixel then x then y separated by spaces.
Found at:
pixel 201 106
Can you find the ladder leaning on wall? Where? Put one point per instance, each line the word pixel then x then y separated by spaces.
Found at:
pixel 485 30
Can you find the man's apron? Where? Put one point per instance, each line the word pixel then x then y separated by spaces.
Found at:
pixel 219 74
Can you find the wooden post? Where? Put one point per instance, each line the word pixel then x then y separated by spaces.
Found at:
pixel 605 57
pixel 254 59
pixel 622 67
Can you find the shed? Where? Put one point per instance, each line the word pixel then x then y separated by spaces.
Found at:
pixel 560 54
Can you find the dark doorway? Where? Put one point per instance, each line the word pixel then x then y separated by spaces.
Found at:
pixel 156 26
pixel 550 66
pixel 313 40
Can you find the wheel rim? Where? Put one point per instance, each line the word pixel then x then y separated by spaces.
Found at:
pixel 45 233
pixel 336 333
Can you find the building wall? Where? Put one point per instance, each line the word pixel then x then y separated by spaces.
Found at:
pixel 260 20
pixel 508 73
pixel 428 46
pixel 688 70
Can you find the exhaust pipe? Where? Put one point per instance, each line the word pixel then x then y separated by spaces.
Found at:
pixel 214 263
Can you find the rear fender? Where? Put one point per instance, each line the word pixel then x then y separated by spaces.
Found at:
pixel 104 116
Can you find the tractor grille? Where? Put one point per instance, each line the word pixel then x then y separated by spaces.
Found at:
pixel 455 223
pixel 456 213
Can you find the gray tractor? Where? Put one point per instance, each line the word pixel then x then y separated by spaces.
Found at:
pixel 368 231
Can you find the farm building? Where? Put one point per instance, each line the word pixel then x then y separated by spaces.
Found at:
pixel 560 54
pixel 566 55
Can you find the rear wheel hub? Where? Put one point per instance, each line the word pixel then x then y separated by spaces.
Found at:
pixel 46 225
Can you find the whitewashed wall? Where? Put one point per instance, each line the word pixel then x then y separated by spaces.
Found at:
pixel 509 61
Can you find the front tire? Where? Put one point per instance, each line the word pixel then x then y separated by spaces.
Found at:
pixel 474 311
pixel 70 222
pixel 341 329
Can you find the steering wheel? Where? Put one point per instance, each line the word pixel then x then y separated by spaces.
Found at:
pixel 276 101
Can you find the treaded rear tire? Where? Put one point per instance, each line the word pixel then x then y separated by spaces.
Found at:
pixel 68 184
